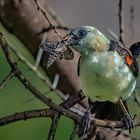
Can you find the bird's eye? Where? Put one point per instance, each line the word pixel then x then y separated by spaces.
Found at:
pixel 81 33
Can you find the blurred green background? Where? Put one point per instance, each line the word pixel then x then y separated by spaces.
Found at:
pixel 13 98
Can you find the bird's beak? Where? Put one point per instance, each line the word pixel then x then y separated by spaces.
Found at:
pixel 72 40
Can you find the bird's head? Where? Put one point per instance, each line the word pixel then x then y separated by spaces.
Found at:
pixel 87 38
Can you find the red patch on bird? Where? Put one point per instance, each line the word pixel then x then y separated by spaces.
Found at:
pixel 128 59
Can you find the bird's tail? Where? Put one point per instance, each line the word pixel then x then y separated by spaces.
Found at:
pixel 135 49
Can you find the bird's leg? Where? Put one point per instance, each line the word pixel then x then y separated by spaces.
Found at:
pixel 85 122
pixel 127 120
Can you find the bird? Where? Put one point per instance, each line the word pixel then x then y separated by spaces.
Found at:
pixel 105 72
pixel 107 68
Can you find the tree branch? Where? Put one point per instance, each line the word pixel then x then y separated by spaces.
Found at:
pixel 28 84
pixel 48 113
pixel 121 23
pixel 53 127
pixel 24 116
pixel 66 104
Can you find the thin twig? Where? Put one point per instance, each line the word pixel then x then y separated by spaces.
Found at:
pixel 6 79
pixel 33 98
pixel 74 132
pixel 28 84
pixel 30 66
pixel 53 127
pixel 39 7
pixel 24 116
pixel 121 22
pixel 66 104
pixel 56 27
pixel 76 108
pixel 132 10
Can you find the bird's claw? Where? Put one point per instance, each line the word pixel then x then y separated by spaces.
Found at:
pixel 127 122
pixel 85 122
